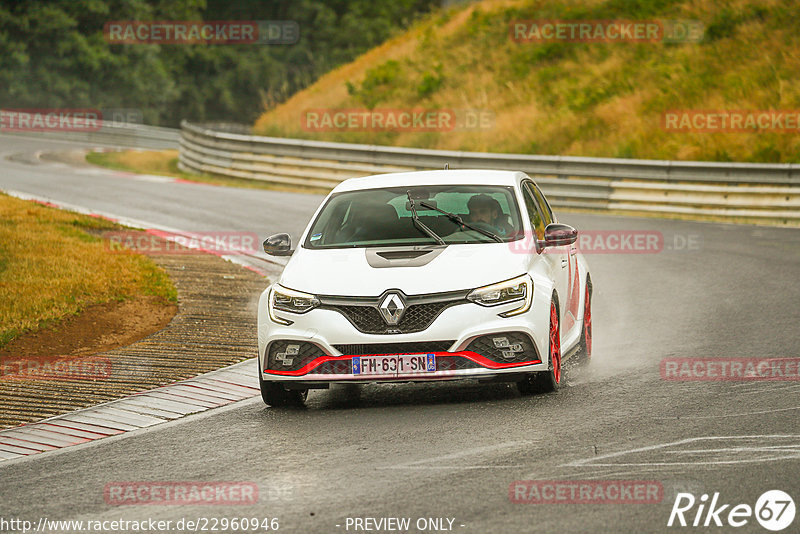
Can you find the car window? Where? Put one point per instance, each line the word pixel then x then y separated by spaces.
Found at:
pixel 382 217
pixel 537 222
pixel 543 204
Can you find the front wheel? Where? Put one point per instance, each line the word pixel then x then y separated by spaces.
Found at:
pixel 275 394
pixel 550 380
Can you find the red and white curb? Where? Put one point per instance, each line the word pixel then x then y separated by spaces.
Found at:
pixel 165 232
pixel 271 265
pixel 149 408
pixel 160 405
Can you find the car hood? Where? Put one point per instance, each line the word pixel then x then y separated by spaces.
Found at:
pixel 349 271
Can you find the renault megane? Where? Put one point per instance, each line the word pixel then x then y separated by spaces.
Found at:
pixel 425 276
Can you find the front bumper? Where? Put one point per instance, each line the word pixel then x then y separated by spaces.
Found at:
pixel 449 366
pixel 327 344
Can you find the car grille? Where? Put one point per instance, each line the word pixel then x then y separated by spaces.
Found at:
pixel 515 347
pixel 334 367
pixel 455 363
pixel 416 318
pixel 420 312
pixel 416 347
pixel 291 355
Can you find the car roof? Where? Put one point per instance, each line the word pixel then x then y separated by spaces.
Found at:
pixel 442 177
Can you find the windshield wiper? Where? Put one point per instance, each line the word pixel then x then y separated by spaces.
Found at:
pixel 419 224
pixel 457 218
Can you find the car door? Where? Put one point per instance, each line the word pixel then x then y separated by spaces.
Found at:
pixel 568 283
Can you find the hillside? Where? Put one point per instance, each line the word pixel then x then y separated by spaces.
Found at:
pixel 573 98
pixel 58 54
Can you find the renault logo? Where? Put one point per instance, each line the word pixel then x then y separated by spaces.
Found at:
pixel 392 308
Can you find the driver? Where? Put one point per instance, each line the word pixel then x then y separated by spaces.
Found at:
pixel 484 209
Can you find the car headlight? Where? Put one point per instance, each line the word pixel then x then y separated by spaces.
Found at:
pixel 289 300
pixel 518 289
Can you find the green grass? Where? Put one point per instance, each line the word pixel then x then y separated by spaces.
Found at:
pixel 53 264
pixel 582 99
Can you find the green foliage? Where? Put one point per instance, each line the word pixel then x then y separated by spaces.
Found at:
pixel 528 57
pixel 767 152
pixel 627 150
pixel 723 26
pixel 635 9
pixel 431 82
pixel 53 54
pixel 722 155
pixel 377 85
pixel 725 22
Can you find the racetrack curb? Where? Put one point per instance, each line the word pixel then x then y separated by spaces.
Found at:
pixel 215 327
pixel 160 405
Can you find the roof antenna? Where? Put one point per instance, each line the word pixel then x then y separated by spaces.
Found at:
pixel 447 166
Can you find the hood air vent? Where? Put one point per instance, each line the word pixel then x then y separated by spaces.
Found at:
pixel 402 256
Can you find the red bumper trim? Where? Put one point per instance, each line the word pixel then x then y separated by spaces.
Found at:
pixel 474 356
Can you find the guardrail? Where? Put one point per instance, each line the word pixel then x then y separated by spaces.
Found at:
pixel 745 192
pixel 119 135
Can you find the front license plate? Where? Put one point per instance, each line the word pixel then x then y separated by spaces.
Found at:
pixel 394 364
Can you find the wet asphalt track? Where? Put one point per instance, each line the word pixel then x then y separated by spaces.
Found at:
pixel 452 450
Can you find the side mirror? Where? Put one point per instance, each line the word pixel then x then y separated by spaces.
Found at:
pixel 557 234
pixel 278 245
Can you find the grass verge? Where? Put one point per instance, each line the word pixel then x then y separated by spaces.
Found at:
pixel 165 163
pixel 53 265
pixel 600 99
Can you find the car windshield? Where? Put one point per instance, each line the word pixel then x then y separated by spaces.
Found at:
pixel 383 217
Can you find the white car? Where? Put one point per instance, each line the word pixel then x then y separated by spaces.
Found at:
pixel 425 276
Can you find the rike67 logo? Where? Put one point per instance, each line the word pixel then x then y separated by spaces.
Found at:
pixel 774 510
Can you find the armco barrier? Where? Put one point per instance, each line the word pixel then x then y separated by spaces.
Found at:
pixel 118 135
pixel 767 193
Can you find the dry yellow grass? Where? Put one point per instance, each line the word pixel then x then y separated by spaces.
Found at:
pixel 161 162
pixel 52 267
pixel 587 99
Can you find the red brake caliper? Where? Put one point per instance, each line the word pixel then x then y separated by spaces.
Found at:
pixel 555 343
pixel 587 322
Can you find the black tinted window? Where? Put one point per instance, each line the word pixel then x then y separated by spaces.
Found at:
pixel 382 217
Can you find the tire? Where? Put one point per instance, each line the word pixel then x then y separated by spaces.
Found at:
pixel 585 353
pixel 275 395
pixel 550 380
